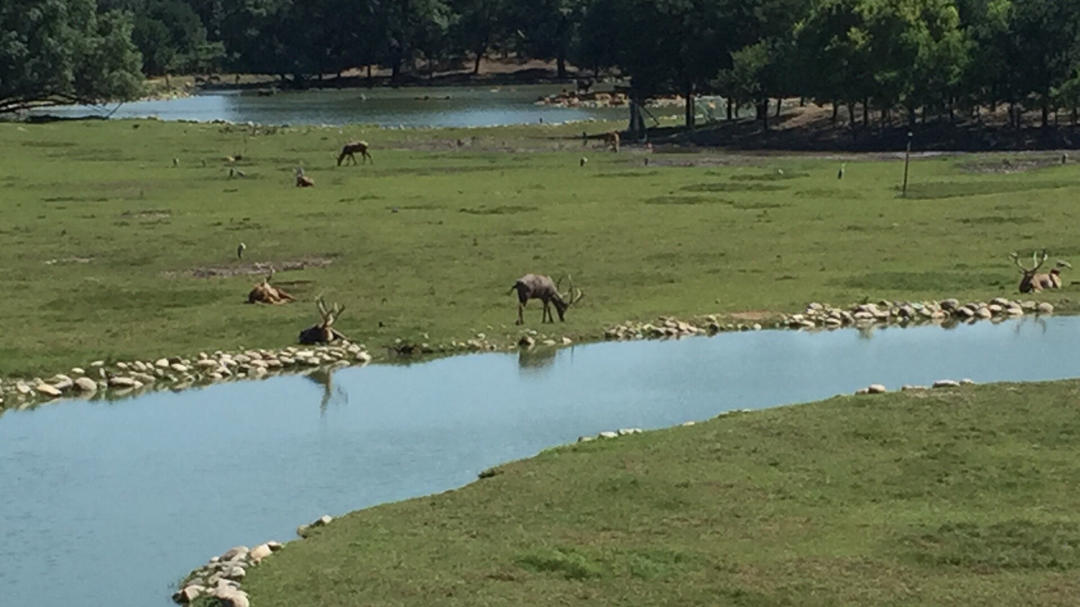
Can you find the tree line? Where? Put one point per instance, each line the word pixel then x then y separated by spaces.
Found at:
pixel 885 60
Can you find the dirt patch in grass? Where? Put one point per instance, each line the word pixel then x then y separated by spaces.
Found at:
pixel 1011 164
pixel 684 200
pixel 733 187
pixel 256 268
pixel 953 189
pixel 752 315
pixel 499 210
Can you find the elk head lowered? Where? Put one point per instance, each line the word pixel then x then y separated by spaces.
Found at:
pixel 323 332
pixel 537 286
pixel 353 147
pixel 1033 280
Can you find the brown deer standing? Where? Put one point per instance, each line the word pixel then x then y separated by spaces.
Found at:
pixel 323 332
pixel 536 286
pixel 1034 281
pixel 351 148
pixel 611 140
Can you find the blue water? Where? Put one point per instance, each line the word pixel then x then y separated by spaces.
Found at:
pixel 112 502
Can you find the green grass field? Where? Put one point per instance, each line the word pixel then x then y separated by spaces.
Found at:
pixel 111 251
pixel 958 497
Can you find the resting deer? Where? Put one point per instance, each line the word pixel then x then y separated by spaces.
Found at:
pixel 351 148
pixel 1033 281
pixel 323 332
pixel 536 286
pixel 611 140
pixel 266 293
pixel 302 180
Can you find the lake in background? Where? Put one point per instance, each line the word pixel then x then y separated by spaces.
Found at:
pixel 383 106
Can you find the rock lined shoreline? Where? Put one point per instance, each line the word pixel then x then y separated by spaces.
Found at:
pixel 123 378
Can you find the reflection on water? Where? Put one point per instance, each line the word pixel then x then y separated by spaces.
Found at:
pixel 124 497
pixel 443 107
pixel 532 359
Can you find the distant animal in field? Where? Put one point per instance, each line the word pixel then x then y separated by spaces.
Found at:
pixel 584 161
pixel 611 140
pixel 840 173
pixel 353 147
pixel 1032 280
pixel 175 162
pixel 266 293
pixel 240 250
pixel 303 181
pixel 538 286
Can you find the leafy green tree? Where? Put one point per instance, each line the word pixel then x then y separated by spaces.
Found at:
pixel 63 51
pixel 480 25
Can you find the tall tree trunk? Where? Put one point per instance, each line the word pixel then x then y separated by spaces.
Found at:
pixel 866 113
pixel 476 64
pixel 761 108
pixel 690 111
pixel 730 109
pixel 560 64
pixel 911 116
pixel 835 112
pixel 1045 115
pixel 779 106
pixel 1075 115
pixel 851 114
pixel 952 111
pixel 370 81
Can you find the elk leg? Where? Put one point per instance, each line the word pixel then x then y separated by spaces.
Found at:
pixel 521 319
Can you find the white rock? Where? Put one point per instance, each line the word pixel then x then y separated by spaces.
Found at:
pixel 98 363
pixel 179 368
pixel 162 363
pixel 876 389
pixel 235 553
pixel 121 382
pixel 78 371
pixel 946 383
pixel 1044 308
pixel 259 552
pixel 47 390
pixel 608 434
pixel 188 594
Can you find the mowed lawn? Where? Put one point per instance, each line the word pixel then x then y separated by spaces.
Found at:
pixel 111 251
pixel 964 496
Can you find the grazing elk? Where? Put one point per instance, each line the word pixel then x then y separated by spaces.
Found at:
pixel 353 147
pixel 611 140
pixel 536 286
pixel 1032 280
pixel 324 332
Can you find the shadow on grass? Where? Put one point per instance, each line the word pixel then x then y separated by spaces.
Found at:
pixel 1015 544
pixel 956 189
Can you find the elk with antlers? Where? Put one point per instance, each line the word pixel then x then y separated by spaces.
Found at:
pixel 323 332
pixel 266 293
pixel 1032 280
pixel 536 286
pixel 302 180
pixel 353 147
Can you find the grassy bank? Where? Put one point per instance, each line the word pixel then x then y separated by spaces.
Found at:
pixel 112 251
pixel 963 496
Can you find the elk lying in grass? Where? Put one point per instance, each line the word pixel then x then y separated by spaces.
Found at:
pixel 1033 280
pixel 266 293
pixel 611 140
pixel 324 332
pixel 302 180
pixel 353 147
pixel 536 286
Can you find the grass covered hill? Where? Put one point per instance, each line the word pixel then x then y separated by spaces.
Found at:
pixel 964 496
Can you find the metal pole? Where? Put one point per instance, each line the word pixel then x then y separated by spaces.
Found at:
pixel 907 160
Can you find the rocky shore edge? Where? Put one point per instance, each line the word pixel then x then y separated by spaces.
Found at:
pixel 123 378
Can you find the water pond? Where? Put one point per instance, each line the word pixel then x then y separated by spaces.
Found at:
pixel 390 107
pixel 109 503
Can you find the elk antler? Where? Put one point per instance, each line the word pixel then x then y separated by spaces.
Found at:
pixel 572 298
pixel 1035 260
